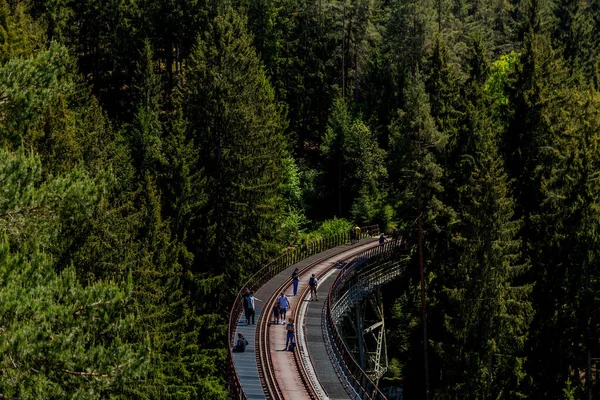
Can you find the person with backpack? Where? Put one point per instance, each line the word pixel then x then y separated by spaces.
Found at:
pixel 241 344
pixel 312 283
pixel 295 277
pixel 284 303
pixel 289 340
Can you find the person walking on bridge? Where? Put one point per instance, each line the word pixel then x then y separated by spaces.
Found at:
pixel 251 307
pixel 284 304
pixel 289 340
pixel 245 304
pixel 312 283
pixel 295 277
pixel 357 233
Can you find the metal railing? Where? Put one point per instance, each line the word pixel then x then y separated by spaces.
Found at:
pixel 265 274
pixel 352 283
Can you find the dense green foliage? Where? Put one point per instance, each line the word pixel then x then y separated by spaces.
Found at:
pixel 153 154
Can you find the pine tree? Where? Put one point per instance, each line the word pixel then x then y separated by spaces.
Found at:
pixel 61 337
pixel 27 87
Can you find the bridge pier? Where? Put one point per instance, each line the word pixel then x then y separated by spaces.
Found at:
pixel 366 335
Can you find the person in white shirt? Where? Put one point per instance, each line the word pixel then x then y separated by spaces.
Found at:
pixel 251 307
pixel 284 303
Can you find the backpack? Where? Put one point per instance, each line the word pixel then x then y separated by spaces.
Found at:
pixel 312 282
pixel 241 345
pixel 292 346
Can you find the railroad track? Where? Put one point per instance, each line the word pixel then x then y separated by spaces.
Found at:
pixel 266 368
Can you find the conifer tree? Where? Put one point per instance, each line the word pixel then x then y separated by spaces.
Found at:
pixel 354 167
pixel 415 146
pixel 442 86
pixel 571 194
pixel 146 130
pixel 60 337
pixel 20 34
pixel 575 36
pixel 237 127
pixel 544 100
pixel 486 314
pixel 27 87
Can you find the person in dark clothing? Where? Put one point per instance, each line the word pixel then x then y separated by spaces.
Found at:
pixel 245 304
pixel 312 283
pixel 295 277
pixel 241 343
pixel 276 314
pixel 290 333
pixel 382 239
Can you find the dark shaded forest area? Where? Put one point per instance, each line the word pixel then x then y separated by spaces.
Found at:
pixel 154 153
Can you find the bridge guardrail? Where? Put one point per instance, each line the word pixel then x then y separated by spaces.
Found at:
pixel 265 274
pixel 361 383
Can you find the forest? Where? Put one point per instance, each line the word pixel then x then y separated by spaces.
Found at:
pixel 155 153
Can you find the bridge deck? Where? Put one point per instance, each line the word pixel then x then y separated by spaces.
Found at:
pixel 317 350
pixel 246 363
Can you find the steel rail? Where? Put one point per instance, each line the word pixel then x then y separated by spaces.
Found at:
pixel 265 370
pixel 266 273
pixel 265 365
pixel 300 366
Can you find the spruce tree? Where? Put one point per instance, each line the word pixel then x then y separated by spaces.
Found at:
pixel 575 36
pixel 486 313
pixel 415 147
pixel 566 280
pixel 236 125
pixel 353 165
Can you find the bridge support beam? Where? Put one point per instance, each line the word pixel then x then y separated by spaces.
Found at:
pixel 368 340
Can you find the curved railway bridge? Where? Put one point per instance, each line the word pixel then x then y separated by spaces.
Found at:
pixel 341 350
